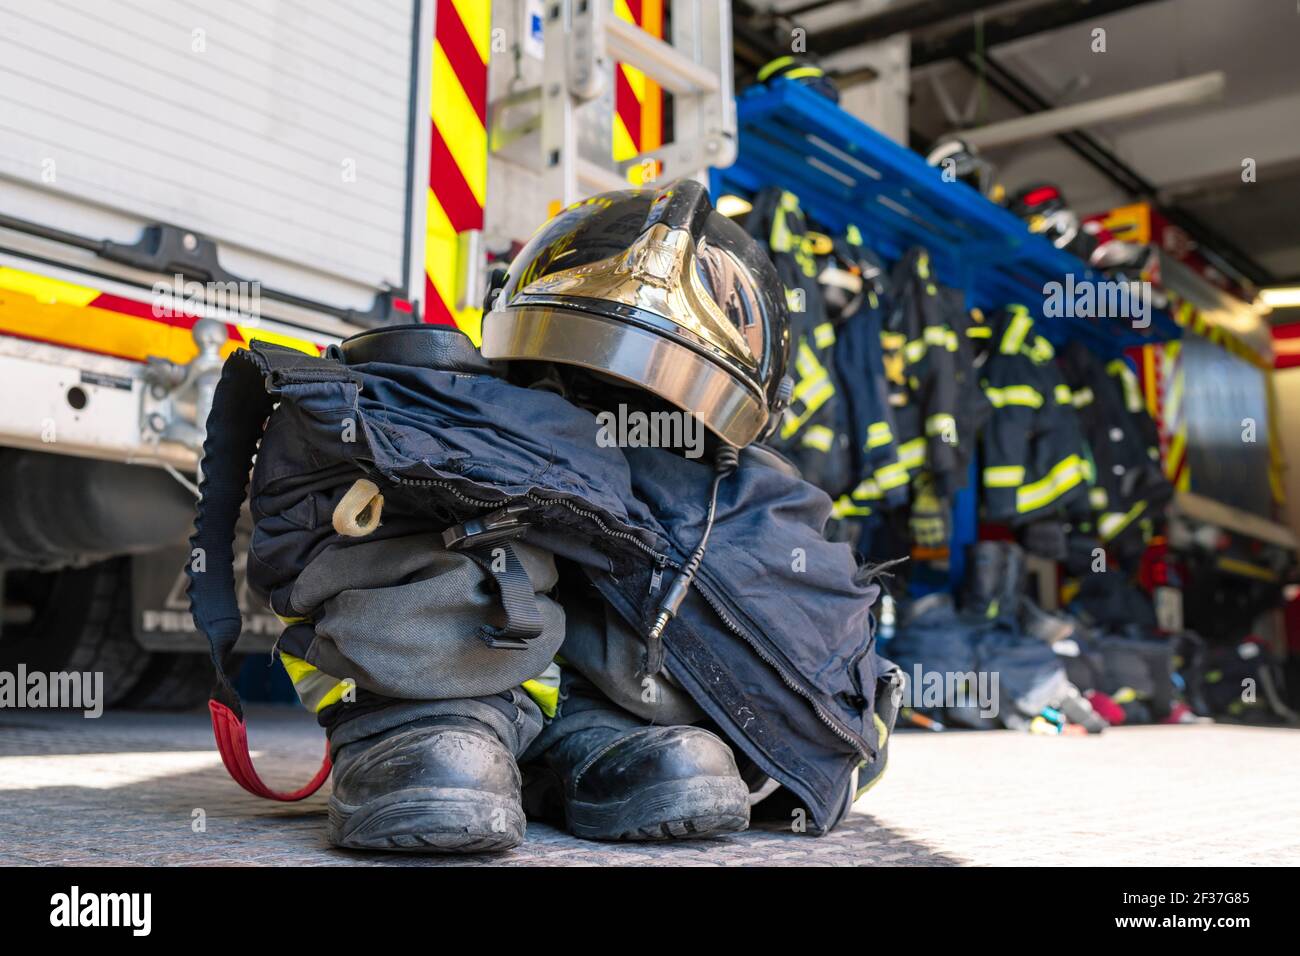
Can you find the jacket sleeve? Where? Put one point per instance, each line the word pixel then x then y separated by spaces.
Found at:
pixel 1005 448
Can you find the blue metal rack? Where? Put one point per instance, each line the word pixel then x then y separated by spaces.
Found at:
pixel 843 172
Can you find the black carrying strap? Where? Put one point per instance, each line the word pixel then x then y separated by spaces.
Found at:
pixel 241 404
pixel 488 542
pixel 518 599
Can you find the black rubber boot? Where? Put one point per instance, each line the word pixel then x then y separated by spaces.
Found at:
pixel 1045 625
pixel 1014 573
pixel 441 785
pixel 985 578
pixel 648 783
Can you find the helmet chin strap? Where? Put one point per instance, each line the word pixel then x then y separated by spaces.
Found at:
pixel 725 461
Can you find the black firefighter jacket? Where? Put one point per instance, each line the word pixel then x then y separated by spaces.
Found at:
pixel 937 402
pixel 1033 457
pixel 1130 486
pixel 815 430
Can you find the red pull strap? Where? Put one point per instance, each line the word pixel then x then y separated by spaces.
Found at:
pixel 232 743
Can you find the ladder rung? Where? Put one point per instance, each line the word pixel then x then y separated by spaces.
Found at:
pixel 656 59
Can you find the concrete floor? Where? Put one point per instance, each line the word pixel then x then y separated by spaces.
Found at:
pixel 125 789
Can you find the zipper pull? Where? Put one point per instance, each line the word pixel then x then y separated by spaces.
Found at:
pixel 657 575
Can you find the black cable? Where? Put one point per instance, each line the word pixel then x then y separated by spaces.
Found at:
pixel 725 461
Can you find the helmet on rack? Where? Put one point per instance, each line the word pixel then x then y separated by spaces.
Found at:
pixel 964 161
pixel 656 290
pixel 801 70
pixel 1043 209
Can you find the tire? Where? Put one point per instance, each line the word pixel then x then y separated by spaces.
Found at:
pixel 175 682
pixel 75 620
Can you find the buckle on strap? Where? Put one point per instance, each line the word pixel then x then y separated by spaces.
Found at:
pixel 496 526
pixel 486 540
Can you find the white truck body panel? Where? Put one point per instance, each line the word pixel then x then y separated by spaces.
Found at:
pixel 281 130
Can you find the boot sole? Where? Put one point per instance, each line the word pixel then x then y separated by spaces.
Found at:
pixel 428 820
pixel 697 808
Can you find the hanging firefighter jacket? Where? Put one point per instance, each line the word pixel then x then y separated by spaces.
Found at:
pixel 781 657
pixel 814 432
pixel 1130 489
pixel 929 364
pixel 1032 450
pixel 880 479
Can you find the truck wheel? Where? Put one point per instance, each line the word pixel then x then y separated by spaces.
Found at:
pixel 74 620
pixel 176 682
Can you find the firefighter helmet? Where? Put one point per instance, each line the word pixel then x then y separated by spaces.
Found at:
pixel 1043 209
pixel 800 70
pixel 657 290
pixel 962 162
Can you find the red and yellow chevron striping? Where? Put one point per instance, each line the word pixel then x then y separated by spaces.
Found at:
pixel 458 154
pixel 638 100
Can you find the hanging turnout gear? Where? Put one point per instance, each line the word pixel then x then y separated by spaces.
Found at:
pixel 1033 461
pixel 814 432
pixel 929 362
pixel 1130 489
pixel 880 480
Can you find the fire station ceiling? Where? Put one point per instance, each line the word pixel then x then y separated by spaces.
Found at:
pixel 1038 54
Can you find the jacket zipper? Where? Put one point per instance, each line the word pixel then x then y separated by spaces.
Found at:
pixel 537 499
pixel 846 735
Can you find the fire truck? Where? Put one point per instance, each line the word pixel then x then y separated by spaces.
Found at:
pixel 180 180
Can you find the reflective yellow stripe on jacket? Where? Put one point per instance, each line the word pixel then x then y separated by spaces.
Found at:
pixel 1023 395
pixel 1063 477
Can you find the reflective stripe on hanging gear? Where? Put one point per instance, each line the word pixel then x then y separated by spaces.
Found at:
pixel 1064 476
pixel 879 434
pixel 1041 352
pixel 1112 523
pixel 845 507
pixel 824 335
pixel 1014 337
pixel 818 437
pixel 241 404
pixel 941 423
pixel 892 475
pixel 1004 476
pixel 941 336
pixel 911 454
pixel 1023 395
pixel 812 390
pixel 1118 368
